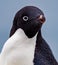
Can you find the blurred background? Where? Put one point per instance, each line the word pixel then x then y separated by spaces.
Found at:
pixel 8 9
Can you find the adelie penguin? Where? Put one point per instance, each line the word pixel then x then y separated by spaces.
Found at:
pixel 26 45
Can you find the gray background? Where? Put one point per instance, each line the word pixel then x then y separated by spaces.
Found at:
pixel 8 8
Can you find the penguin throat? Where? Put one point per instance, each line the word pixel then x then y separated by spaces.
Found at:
pixel 21 34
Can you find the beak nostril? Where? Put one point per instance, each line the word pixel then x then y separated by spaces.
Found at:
pixel 42 18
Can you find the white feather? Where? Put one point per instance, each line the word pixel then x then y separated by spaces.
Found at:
pixel 18 50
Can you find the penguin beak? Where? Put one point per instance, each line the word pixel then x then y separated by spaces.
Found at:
pixel 41 18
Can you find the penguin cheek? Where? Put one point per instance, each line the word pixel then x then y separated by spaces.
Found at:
pixel 35 27
pixel 37 24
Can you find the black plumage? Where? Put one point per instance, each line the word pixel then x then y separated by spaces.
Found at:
pixel 42 54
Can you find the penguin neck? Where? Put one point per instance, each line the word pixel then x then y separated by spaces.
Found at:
pixel 20 35
pixel 39 34
pixel 39 39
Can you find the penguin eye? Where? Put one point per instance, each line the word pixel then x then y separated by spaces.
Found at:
pixel 25 18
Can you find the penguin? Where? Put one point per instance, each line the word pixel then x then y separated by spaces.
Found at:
pixel 25 45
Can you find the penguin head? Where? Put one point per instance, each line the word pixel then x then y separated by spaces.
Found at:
pixel 29 19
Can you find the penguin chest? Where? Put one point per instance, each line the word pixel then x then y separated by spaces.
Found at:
pixel 22 54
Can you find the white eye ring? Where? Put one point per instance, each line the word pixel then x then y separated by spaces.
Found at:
pixel 25 18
